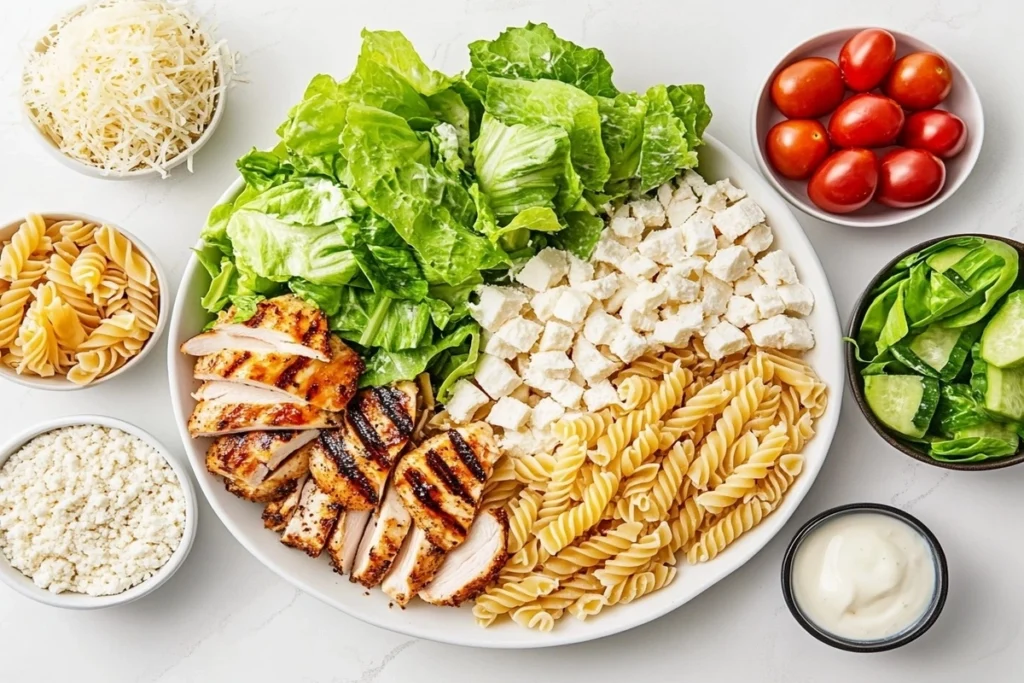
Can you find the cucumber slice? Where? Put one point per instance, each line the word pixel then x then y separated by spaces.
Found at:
pixel 904 403
pixel 1004 392
pixel 1002 342
pixel 937 351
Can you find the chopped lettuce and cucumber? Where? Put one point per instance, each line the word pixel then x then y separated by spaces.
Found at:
pixel 941 350
pixel 393 193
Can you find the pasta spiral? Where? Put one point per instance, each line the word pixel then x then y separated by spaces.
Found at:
pixel 121 251
pixel 574 521
pixel 556 498
pixel 669 479
pixel 87 269
pixel 27 239
pixel 727 429
pixel 726 530
pixel 746 476
pixel 588 427
pixel 640 584
pixel 635 391
pixel 504 598
pixel 594 550
pixel 626 563
pixel 15 299
pixel 522 513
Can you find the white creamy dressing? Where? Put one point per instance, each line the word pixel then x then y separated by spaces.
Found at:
pixel 864 576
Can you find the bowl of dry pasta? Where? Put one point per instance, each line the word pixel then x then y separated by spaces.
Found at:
pixel 81 301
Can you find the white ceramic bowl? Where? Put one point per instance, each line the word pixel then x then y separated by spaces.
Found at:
pixel 58 383
pixel 963 101
pixel 457 626
pixel 51 148
pixel 24 585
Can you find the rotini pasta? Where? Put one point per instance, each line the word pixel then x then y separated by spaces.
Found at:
pixel 594 550
pixel 745 476
pixel 572 522
pixel 727 428
pixel 25 241
pixel 121 251
pixel 726 530
pixel 522 513
pixel 87 269
pixel 506 597
pixel 626 563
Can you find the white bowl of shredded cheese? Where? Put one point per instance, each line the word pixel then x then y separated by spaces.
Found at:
pixel 94 512
pixel 125 89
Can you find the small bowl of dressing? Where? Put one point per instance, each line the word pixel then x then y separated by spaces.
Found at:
pixel 865 577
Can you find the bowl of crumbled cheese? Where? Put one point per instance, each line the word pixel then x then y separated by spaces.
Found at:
pixel 93 513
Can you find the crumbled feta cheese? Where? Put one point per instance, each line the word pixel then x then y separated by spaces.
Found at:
pixel 639 310
pixel 758 239
pixel 741 311
pixel 681 208
pixel 519 444
pixel 602 287
pixel 627 226
pixel 679 287
pixel 768 301
pixel 730 264
pixel 572 306
pixel 600 327
pixel 547 411
pixel 628 345
pixel 580 271
pixel 713 199
pixel 783 332
pixel 495 376
pixel 798 298
pixel 465 401
pixel 676 330
pixel 700 234
pixel 545 270
pixel 543 304
pixel 732 193
pixel 665 194
pixel 497 305
pixel 650 211
pixel 601 395
pixel 696 183
pixel 776 268
pixel 709 323
pixel 509 413
pixel 615 301
pixel 556 337
pixel 664 246
pixel 714 294
pixel 496 346
pixel 639 267
pixel 610 251
pixel 554 364
pixel 739 218
pixel 725 339
pixel 746 285
pixel 723 241
pixel 591 362
pixel 565 392
pixel 691 266
pixel 520 333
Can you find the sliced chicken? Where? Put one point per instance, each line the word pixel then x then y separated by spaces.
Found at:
pixel 381 541
pixel 284 324
pixel 276 513
pixel 328 385
pixel 283 481
pixel 441 481
pixel 251 456
pixel 312 522
pixel 352 463
pixel 413 568
pixel 344 540
pixel 468 569
pixel 213 418
pixel 232 392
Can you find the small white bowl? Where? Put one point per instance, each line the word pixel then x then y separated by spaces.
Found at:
pixel 77 601
pixel 43 44
pixel 59 383
pixel 963 101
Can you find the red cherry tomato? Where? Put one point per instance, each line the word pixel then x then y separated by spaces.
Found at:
pixel 866 58
pixel 910 177
pixel 865 120
pixel 941 133
pixel 919 81
pixel 796 147
pixel 808 89
pixel 845 182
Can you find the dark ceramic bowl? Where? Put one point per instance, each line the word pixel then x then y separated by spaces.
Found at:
pixel 857 382
pixel 913 632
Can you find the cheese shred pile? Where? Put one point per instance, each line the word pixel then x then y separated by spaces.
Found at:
pixel 125 85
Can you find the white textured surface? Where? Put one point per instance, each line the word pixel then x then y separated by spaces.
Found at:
pixel 225 617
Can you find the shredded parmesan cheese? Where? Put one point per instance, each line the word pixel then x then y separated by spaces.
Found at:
pixel 125 85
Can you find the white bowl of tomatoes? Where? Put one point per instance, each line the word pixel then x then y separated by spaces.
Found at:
pixel 867 127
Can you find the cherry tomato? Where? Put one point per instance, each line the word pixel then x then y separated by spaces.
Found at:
pixel 865 120
pixel 845 182
pixel 796 147
pixel 808 89
pixel 910 177
pixel 919 81
pixel 941 133
pixel 866 58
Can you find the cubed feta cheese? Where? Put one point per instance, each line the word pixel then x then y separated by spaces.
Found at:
pixel 739 218
pixel 601 395
pixel 600 327
pixel 676 330
pixel 746 285
pixel 691 266
pixel 509 413
pixel 466 399
pixel 572 306
pixel 665 194
pixel 731 263
pixel 519 444
pixel 678 285
pixel 591 362
pixel 628 345
pixel 695 181
pixel 621 211
pixel 723 241
pixel 681 208
pixel 769 302
pixel 700 234
pixel 535 379
pixel 629 227
pixel 798 298
pixel 709 323
pixel 543 304
pixel 640 309
pixel 776 268
pixel 602 287
pixel 615 301
pixel 496 346
pixel 714 294
pixel 520 333
pixel 554 364
pixel 758 239
pixel 713 199
pixel 609 251
pixel 547 411
pixel 783 332
pixel 495 376
pixel 725 339
pixel 580 271
pixel 664 246
pixel 577 377
pixel 639 267
pixel 741 311
pixel 544 270
pixel 496 306
pixel 650 211
pixel 556 337
pixel 565 392
pixel 731 192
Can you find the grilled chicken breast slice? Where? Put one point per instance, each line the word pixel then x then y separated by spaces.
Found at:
pixel 344 540
pixel 328 386
pixel 279 484
pixel 312 521
pixel 213 418
pixel 285 324
pixel 441 481
pixel 249 457
pixel 381 541
pixel 232 392
pixel 352 463
pixel 276 513
pixel 467 570
pixel 414 567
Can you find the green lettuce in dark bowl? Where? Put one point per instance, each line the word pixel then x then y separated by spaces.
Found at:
pixel 935 352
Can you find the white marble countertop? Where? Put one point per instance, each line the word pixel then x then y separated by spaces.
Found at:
pixel 225 617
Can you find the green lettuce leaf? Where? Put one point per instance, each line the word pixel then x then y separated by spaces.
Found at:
pixel 582 232
pixel 394 51
pixel 692 109
pixel 664 149
pixel 622 131
pixel 326 297
pixel 386 367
